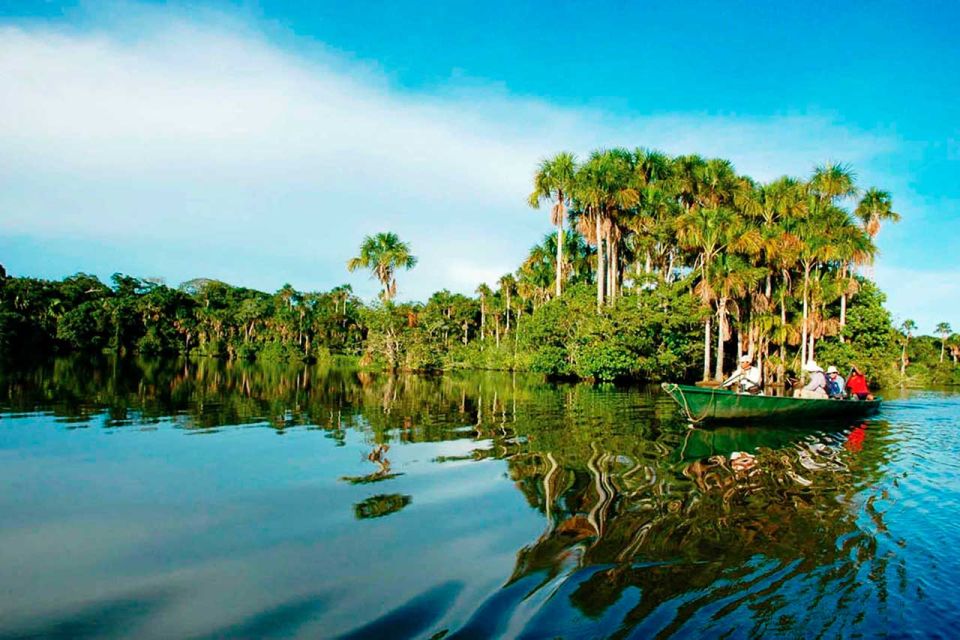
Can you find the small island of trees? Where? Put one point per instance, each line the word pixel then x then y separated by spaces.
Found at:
pixel 659 267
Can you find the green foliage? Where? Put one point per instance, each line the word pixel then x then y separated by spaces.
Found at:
pixel 646 334
pixel 605 361
pixel 203 317
pixel 86 326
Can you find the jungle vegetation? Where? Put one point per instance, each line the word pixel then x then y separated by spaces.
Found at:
pixel 659 267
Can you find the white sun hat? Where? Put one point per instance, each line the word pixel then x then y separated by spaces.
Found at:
pixel 746 358
pixel 832 369
pixel 811 366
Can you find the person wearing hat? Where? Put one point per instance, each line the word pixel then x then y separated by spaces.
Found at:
pixel 817 387
pixel 748 377
pixel 835 383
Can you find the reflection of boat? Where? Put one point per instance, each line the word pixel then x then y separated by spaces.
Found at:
pixel 699 404
pixel 703 443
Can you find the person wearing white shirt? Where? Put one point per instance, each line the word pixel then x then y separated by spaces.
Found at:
pixel 747 378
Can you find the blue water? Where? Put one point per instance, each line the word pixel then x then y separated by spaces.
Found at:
pixel 182 501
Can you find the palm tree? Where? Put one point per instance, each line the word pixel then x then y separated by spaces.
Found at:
pixel 485 294
pixel 943 330
pixel 833 181
pixel 603 189
pixel 554 179
pixel 875 207
pixel 731 277
pixel 383 254
pixel 854 248
pixel 508 287
pixel 817 247
pixel 710 232
pixel 908 327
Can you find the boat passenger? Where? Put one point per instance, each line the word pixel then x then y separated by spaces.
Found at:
pixel 835 383
pixel 857 385
pixel 817 387
pixel 747 378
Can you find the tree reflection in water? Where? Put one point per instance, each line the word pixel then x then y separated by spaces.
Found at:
pixel 640 512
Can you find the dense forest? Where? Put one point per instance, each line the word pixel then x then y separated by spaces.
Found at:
pixel 659 267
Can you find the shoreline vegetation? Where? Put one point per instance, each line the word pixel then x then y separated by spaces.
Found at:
pixel 659 268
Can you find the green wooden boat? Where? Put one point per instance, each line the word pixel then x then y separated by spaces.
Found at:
pixel 701 404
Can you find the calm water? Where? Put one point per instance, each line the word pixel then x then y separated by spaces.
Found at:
pixel 205 500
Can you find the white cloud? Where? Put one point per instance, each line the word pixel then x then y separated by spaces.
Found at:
pixel 206 135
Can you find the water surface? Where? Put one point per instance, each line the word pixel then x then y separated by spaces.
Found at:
pixel 207 500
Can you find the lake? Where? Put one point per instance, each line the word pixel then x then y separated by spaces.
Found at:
pixel 232 500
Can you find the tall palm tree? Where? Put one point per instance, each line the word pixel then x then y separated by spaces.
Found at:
pixel 834 181
pixel 819 245
pixel 383 254
pixel 853 248
pixel 508 287
pixel 605 192
pixel 943 330
pixel 554 180
pixel 591 194
pixel 907 328
pixel 731 277
pixel 485 293
pixel 710 232
pixel 875 207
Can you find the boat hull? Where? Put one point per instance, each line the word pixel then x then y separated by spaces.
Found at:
pixel 719 405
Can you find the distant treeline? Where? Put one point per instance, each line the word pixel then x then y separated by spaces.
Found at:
pixel 202 317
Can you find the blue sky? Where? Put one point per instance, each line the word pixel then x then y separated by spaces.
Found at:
pixel 257 142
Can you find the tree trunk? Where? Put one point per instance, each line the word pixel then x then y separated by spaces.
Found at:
pixel 943 346
pixel 601 275
pixel 903 360
pixel 614 269
pixel 706 350
pixel 804 358
pixel 508 311
pixel 761 358
pixel 843 315
pixel 560 254
pixel 843 303
pixel 721 329
pixel 483 319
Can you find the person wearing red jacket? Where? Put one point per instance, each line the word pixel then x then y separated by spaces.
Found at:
pixel 857 385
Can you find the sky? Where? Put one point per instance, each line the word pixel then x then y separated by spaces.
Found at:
pixel 259 142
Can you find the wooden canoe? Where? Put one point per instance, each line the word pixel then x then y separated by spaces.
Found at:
pixel 701 404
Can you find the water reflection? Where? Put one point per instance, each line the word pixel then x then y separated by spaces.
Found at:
pixel 648 528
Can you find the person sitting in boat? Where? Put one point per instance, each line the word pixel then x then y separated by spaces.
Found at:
pixel 817 387
pixel 747 377
pixel 857 385
pixel 835 383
